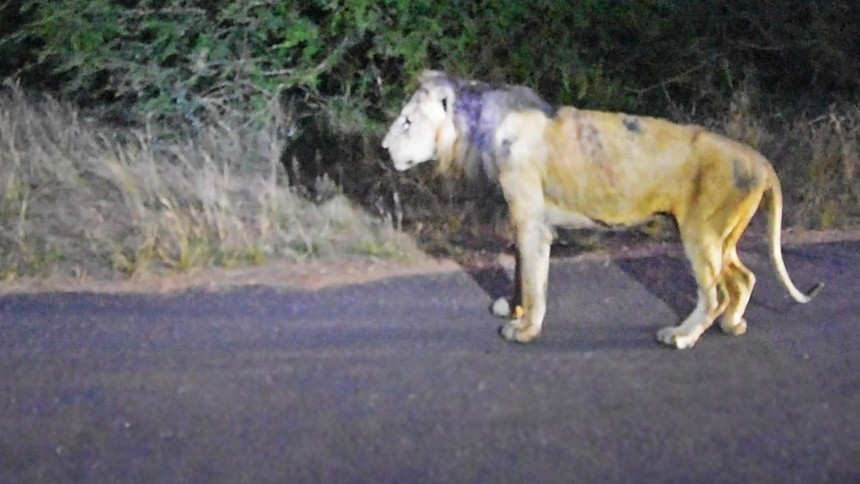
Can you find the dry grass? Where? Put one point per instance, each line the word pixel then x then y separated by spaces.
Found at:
pixel 81 199
pixel 817 158
pixel 826 169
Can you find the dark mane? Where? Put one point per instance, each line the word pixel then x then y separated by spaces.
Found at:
pixel 479 109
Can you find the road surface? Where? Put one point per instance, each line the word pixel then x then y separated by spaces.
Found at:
pixel 405 380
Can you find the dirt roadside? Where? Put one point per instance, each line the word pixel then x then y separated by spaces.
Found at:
pixel 313 275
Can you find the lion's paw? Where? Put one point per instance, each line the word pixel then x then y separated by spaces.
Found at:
pixel 501 308
pixel 673 336
pixel 513 331
pixel 737 329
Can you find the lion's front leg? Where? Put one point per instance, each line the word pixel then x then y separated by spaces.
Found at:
pixel 511 308
pixel 532 271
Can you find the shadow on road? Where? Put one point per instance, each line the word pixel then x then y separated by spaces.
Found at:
pixel 666 278
pixel 494 280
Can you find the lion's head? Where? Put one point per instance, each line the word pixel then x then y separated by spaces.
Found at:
pixel 453 122
pixel 424 123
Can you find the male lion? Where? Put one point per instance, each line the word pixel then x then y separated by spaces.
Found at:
pixel 579 169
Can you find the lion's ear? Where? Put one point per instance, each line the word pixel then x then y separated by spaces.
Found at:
pixel 437 86
pixel 430 75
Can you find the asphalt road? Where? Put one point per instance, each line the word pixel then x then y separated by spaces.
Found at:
pixel 405 380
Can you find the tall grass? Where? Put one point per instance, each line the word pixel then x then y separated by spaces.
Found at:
pixel 817 157
pixel 87 200
pixel 826 173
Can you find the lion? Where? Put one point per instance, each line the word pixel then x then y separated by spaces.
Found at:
pixel 575 168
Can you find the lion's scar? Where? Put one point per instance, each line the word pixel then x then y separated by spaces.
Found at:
pixel 744 177
pixel 632 124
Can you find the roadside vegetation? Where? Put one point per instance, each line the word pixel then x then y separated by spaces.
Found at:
pixel 164 135
pixel 93 201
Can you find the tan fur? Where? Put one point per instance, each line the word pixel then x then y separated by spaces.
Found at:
pixel 588 168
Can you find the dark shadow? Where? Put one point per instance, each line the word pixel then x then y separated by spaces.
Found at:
pixel 666 278
pixel 495 281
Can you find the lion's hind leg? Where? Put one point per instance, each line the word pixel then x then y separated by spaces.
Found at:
pixel 710 241
pixel 705 255
pixel 738 279
pixel 739 282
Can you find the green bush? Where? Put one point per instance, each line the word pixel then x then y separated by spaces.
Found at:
pixel 349 62
pixel 186 59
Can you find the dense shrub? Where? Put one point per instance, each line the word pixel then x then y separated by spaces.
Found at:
pixel 351 59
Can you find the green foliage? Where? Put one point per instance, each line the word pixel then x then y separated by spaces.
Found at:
pixel 349 60
pixel 187 59
pixel 172 59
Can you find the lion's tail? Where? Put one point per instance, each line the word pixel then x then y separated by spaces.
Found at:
pixel 773 199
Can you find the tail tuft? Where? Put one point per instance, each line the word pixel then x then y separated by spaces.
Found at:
pixel 814 290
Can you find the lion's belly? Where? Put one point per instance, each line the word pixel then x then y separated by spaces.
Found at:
pixel 608 197
pixel 593 210
pixel 608 172
pixel 558 216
